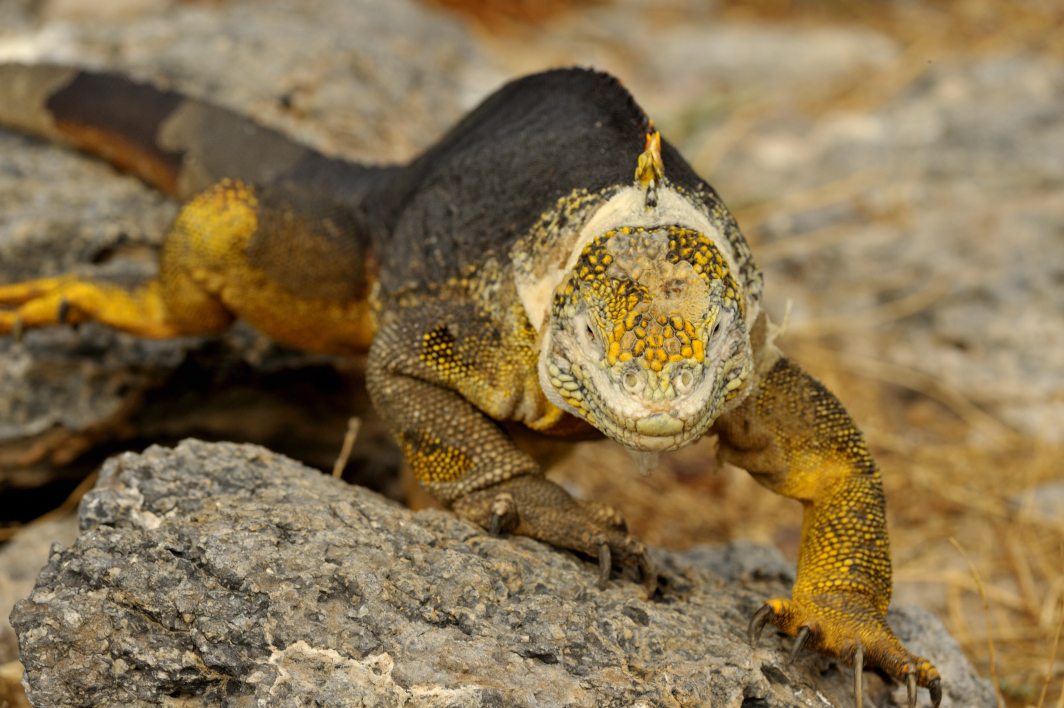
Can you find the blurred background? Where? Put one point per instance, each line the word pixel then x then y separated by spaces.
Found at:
pixel 897 165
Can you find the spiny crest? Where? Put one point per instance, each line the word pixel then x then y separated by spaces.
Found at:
pixel 650 170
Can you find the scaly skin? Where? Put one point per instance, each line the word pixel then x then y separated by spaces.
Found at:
pixel 796 439
pixel 660 309
pixel 551 263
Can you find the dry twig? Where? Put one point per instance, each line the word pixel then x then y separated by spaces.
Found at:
pixel 353 424
pixel 837 191
pixel 1052 657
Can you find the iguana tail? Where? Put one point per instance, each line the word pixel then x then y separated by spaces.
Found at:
pixel 179 145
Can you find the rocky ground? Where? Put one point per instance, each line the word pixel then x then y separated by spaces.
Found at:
pixel 222 574
pixel 899 179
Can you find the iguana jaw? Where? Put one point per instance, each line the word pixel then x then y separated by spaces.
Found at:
pixel 579 383
pixel 647 339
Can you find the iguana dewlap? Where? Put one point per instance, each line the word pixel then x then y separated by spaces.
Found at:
pixel 550 262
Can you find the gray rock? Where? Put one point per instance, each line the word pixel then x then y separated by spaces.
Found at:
pixel 222 574
pixel 20 561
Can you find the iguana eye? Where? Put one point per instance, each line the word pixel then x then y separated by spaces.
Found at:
pixel 713 333
pixel 585 333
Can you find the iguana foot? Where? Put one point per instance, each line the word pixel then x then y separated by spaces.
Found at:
pixel 604 515
pixel 32 304
pixel 540 509
pixel 848 628
pixel 70 300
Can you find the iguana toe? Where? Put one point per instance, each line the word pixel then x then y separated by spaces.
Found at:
pixel 70 300
pixel 849 629
pixel 503 514
pixel 535 507
pixel 604 515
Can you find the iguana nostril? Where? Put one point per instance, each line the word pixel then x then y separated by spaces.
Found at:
pixel 633 382
pixel 684 381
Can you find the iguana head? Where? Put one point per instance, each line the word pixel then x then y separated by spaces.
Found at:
pixel 648 339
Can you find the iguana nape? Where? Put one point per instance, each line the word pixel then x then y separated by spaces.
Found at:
pixel 550 262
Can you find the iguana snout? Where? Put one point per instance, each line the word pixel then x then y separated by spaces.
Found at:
pixel 648 337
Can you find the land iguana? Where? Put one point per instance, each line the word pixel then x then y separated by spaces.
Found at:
pixel 551 263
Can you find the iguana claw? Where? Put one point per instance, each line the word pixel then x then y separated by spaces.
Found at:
pixel 757 624
pixel 934 687
pixel 502 509
pixel 864 640
pixel 604 564
pixel 63 314
pixel 799 642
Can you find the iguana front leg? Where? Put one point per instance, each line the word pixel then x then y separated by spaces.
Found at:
pixel 795 437
pixel 206 235
pixel 468 462
pixel 291 264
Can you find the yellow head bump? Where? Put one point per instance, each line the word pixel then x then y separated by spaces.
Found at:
pixel 698 351
pixel 652 294
pixel 648 320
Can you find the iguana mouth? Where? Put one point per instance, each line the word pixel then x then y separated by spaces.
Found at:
pixel 647 337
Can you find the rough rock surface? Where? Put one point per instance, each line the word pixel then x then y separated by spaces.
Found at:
pixel 20 561
pixel 222 574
